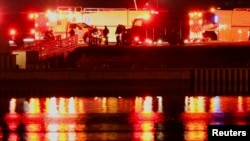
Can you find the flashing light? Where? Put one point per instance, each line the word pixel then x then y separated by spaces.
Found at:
pixel 216 19
pixel 191 22
pixel 239 31
pixel 159 41
pixel 136 38
pixel 32 31
pixel 148 41
pixel 33 15
pixel 212 9
pixel 191 14
pixel 154 12
pixel 12 32
pixel 186 41
pixel 195 14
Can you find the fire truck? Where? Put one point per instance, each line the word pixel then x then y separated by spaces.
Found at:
pixel 83 19
pixel 220 25
pixel 158 28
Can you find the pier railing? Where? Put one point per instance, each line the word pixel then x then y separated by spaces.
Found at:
pixel 221 80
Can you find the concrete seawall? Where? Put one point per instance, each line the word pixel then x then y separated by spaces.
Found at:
pixel 183 81
pixel 89 83
pixel 74 74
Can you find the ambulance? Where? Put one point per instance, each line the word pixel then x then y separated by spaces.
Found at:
pixel 220 25
pixel 233 25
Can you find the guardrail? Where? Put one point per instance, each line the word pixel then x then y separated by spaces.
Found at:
pixel 52 47
pixel 57 47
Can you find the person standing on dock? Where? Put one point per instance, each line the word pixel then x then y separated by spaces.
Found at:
pixel 118 34
pixel 105 35
pixel 72 32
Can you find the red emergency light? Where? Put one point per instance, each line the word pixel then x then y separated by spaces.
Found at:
pixel 12 32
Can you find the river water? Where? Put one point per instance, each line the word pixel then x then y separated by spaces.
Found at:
pixel 150 117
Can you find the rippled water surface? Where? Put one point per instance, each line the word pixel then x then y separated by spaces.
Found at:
pixel 144 118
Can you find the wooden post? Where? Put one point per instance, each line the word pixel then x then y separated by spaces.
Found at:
pixel 212 80
pixel 196 80
pixel 241 71
pixel 207 80
pixel 229 80
pixel 247 80
pixel 201 81
pixel 224 81
pixel 218 81
pixel 235 81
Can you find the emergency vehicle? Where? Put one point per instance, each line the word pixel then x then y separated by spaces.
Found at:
pixel 20 28
pixel 160 27
pixel 220 25
pixel 61 19
pixel 141 32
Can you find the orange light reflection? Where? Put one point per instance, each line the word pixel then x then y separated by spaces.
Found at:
pixel 195 104
pixel 145 118
pixel 148 105
pixel 61 106
pixel 12 106
pixel 34 106
pixel 71 106
pixel 240 107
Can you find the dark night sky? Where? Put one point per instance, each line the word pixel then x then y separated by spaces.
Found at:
pixel 23 5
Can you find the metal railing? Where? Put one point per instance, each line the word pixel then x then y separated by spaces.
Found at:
pixel 221 80
pixel 52 47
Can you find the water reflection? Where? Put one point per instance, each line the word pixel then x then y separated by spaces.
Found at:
pixel 200 111
pixel 145 118
pixel 75 118
pixel 148 118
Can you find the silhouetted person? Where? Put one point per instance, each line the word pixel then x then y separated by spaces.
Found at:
pixel 120 29
pixel 49 35
pixel 72 32
pixel 95 35
pixel 118 34
pixel 105 34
